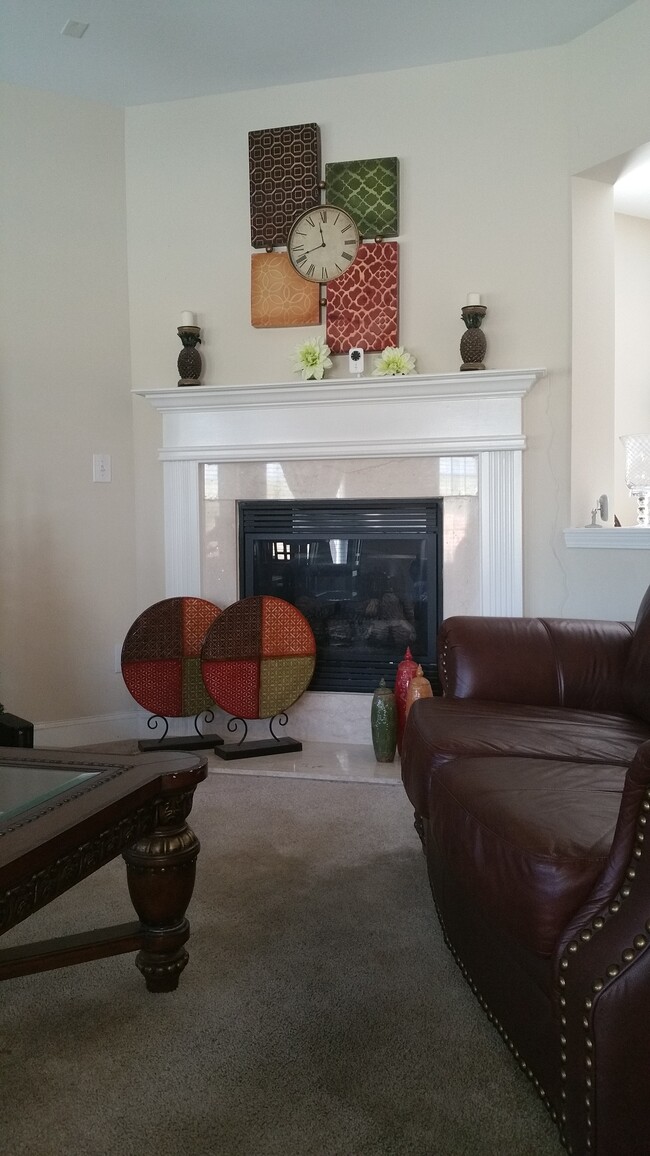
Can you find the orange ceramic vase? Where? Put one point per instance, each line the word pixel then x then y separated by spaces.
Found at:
pixel 419 687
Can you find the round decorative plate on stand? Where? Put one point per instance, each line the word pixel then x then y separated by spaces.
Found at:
pixel 257 659
pixel 161 666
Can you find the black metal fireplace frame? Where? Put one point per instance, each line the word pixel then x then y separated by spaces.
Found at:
pixel 302 520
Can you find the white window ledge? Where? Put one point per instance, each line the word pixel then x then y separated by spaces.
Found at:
pixel 608 538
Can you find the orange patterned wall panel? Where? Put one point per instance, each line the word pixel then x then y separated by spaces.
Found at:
pixel 279 296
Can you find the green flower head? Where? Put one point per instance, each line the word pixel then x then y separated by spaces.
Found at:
pixel 312 358
pixel 394 361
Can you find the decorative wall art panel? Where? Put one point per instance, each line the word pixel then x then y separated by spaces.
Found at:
pixel 258 657
pixel 362 305
pixel 369 190
pixel 280 297
pixel 161 657
pixel 284 179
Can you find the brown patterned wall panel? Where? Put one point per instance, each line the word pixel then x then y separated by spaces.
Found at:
pixel 284 179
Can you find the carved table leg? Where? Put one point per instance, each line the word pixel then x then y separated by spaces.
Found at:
pixel 161 868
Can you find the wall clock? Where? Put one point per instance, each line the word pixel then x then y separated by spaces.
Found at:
pixel 323 242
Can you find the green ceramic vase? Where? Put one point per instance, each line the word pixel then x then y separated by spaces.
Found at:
pixel 383 723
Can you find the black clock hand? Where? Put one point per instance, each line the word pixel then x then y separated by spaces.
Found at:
pixel 321 246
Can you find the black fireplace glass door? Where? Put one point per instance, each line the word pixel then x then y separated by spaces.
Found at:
pixel 369 585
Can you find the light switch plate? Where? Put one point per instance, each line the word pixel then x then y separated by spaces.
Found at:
pixel 102 468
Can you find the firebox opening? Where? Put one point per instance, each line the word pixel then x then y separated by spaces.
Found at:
pixel 366 574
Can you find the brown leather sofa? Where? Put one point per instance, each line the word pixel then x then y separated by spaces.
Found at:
pixel 530 780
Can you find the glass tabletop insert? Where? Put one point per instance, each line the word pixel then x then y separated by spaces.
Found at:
pixel 23 786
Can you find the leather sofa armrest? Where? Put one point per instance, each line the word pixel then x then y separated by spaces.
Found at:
pixel 602 977
pixel 577 663
pixel 630 845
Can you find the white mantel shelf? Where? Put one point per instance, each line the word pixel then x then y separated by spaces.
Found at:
pixel 608 537
pixel 418 414
pixel 469 413
pixel 482 383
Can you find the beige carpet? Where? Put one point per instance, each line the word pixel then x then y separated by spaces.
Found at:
pixel 320 1013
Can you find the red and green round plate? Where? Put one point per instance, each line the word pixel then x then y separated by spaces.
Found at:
pixel 161 657
pixel 258 657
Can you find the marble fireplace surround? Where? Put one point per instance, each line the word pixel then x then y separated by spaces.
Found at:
pixel 416 417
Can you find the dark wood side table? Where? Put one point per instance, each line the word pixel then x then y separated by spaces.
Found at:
pixel 63 815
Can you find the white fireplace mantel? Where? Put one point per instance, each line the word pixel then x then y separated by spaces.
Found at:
pixel 479 413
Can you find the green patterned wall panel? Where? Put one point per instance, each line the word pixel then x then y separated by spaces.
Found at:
pixel 369 190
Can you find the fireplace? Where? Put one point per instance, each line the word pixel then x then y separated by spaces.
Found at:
pixel 367 575
pixel 348 439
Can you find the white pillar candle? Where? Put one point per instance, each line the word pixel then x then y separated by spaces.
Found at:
pixel 187 318
pixel 473 298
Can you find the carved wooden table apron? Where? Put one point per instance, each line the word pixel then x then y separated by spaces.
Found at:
pixel 65 814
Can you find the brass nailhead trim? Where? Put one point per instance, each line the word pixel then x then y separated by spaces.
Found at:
pixel 628 955
pixel 493 1018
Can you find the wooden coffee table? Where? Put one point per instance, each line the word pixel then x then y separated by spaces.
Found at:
pixel 65 814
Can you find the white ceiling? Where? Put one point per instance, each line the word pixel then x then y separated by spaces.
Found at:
pixel 145 51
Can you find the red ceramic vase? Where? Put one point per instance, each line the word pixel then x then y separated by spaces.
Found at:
pixel 405 672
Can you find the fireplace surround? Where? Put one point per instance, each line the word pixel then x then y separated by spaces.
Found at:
pixel 411 423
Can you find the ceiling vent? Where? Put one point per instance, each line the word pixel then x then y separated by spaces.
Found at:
pixel 74 28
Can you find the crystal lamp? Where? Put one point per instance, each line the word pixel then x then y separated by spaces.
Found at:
pixel 637 473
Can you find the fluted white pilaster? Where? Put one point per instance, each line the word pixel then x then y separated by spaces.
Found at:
pixel 183 538
pixel 500 503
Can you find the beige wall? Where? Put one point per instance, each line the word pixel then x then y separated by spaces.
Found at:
pixel 609 115
pixel 632 379
pixel 484 206
pixel 487 151
pixel 608 105
pixel 593 338
pixel 67 559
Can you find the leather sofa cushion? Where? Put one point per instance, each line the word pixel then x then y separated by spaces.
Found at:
pixel 526 837
pixel 575 663
pixel 440 729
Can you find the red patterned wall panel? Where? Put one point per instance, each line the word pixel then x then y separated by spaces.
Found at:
pixel 362 305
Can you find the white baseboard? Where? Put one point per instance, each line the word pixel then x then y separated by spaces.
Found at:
pixel 81 732
pixel 316 717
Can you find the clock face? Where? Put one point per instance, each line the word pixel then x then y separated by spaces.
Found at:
pixel 323 243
